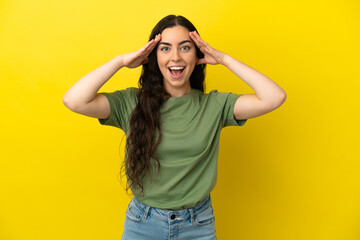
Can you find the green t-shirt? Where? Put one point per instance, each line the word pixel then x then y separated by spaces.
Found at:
pixel 188 152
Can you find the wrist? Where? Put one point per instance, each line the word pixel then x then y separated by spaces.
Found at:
pixel 119 60
pixel 226 60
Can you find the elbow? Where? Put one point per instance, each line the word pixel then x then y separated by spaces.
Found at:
pixel 68 103
pixel 65 101
pixel 282 97
pixel 278 100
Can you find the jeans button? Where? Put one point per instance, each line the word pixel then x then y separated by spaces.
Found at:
pixel 173 217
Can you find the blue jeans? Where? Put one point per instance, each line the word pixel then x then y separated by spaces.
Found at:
pixel 145 222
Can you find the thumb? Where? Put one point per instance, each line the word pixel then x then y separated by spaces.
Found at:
pixel 201 61
pixel 145 61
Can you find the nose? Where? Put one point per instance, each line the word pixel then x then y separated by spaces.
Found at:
pixel 176 55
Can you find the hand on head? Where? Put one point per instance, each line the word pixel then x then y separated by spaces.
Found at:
pixel 139 57
pixel 211 55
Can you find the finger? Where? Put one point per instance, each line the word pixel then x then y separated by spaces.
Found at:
pixel 153 45
pixel 196 36
pixel 153 41
pixel 149 49
pixel 193 37
pixel 199 43
pixel 145 49
pixel 146 46
pixel 158 37
pixel 156 41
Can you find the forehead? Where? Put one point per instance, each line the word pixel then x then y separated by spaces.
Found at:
pixel 175 34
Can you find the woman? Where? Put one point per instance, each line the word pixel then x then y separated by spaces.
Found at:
pixel 172 127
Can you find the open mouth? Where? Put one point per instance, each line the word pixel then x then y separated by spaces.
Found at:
pixel 176 72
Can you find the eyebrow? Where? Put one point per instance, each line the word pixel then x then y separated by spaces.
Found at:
pixel 182 42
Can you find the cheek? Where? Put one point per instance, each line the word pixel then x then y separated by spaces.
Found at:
pixel 193 56
pixel 161 60
pixel 192 59
pixel 161 64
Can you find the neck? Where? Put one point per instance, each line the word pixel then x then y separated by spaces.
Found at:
pixel 179 92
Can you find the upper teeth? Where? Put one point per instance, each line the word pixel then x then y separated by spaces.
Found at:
pixel 176 68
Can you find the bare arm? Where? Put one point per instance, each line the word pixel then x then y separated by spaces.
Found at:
pixel 82 97
pixel 268 95
pixel 84 90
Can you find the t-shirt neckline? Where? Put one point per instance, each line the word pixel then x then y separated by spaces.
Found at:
pixel 183 98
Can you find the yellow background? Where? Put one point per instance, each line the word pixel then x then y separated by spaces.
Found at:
pixel 288 175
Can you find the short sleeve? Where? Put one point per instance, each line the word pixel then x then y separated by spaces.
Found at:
pixel 227 100
pixel 229 119
pixel 122 103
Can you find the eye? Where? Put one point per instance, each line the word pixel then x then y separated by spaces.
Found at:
pixel 185 48
pixel 164 49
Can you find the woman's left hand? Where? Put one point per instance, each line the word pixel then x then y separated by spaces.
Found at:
pixel 211 55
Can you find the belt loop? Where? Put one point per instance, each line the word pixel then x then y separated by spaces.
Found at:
pixel 146 212
pixel 191 210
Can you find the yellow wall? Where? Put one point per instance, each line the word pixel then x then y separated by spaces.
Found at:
pixel 291 174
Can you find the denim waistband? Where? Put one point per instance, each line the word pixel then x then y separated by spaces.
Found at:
pixel 164 214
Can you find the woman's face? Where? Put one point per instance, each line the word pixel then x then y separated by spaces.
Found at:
pixel 176 57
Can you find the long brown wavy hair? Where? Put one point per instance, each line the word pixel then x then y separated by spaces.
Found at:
pixel 141 143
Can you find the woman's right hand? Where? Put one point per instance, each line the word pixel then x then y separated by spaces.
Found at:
pixel 139 57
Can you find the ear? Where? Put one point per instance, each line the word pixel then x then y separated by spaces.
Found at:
pixel 200 61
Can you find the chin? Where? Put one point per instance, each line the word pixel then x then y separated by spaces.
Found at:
pixel 178 84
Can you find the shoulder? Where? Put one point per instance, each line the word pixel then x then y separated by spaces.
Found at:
pixel 126 96
pixel 128 93
pixel 219 97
